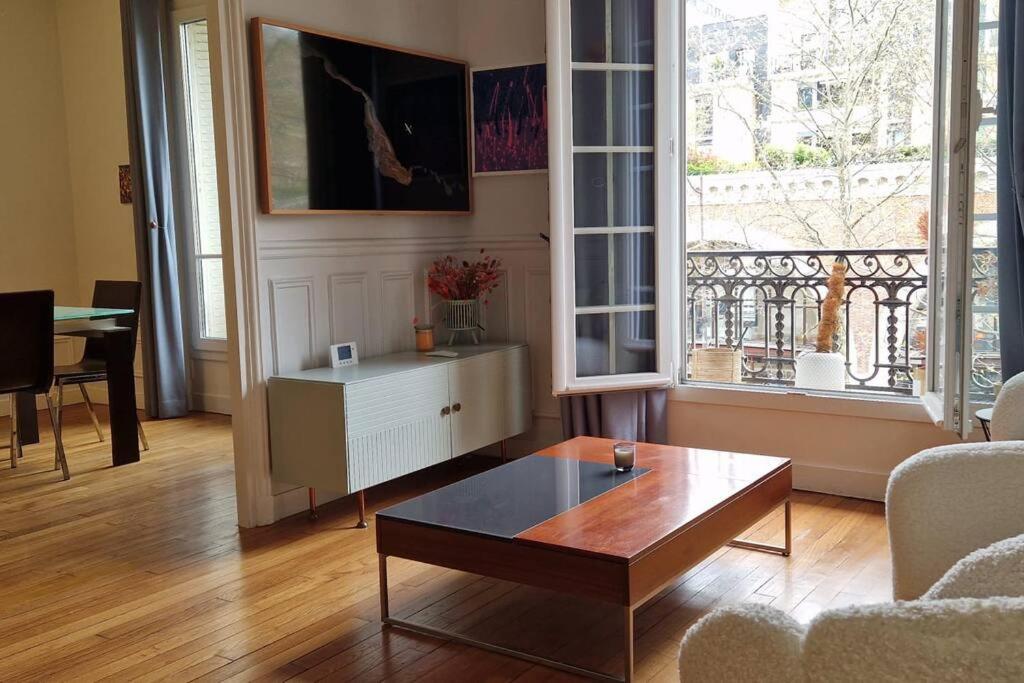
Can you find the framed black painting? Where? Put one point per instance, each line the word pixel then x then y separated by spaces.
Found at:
pixel 350 126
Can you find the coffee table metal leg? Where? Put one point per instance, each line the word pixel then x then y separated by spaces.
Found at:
pixel 784 550
pixel 388 620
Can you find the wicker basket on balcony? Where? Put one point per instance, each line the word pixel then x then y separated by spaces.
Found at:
pixel 717 365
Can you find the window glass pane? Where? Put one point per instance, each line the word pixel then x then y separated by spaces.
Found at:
pixel 634 268
pixel 208 279
pixel 633 31
pixel 588 31
pixel 591 270
pixel 809 142
pixel 634 342
pixel 633 108
pixel 592 357
pixel 200 129
pixel 986 369
pixel 632 189
pixel 589 106
pixel 211 299
pixel 590 190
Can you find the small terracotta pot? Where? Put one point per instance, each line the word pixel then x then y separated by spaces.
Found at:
pixel 425 339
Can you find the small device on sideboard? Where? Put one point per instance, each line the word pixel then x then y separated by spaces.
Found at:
pixel 344 354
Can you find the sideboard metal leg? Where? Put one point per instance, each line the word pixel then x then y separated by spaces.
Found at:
pixel 312 504
pixel 361 498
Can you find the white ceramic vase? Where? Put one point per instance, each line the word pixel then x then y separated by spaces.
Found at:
pixel 822 371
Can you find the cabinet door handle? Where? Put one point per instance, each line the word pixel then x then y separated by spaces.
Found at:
pixel 445 411
pixel 457 407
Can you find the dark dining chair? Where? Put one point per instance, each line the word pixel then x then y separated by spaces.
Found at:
pixel 26 359
pixel 93 365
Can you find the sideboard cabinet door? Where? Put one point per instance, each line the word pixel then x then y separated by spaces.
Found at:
pixel 517 392
pixel 397 425
pixel 476 398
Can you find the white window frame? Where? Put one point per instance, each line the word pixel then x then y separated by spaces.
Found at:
pixel 950 404
pixel 202 347
pixel 667 167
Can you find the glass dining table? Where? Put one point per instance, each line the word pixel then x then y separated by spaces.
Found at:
pixel 119 348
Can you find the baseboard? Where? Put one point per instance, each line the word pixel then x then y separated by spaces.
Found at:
pixel 211 403
pixel 840 482
pixel 294 501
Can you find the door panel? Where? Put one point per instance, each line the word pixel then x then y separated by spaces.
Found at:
pixel 517 411
pixel 396 425
pixel 476 400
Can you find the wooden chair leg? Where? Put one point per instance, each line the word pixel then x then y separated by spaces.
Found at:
pixel 59 442
pixel 92 412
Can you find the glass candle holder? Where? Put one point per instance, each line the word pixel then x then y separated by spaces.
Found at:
pixel 425 338
pixel 625 456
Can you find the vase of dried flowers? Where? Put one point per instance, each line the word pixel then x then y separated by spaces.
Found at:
pixel 823 368
pixel 463 287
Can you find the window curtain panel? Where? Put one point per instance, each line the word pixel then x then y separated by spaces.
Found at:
pixel 145 26
pixel 1010 187
pixel 623 415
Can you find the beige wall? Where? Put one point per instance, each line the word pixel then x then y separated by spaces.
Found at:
pixel 97 134
pixel 844 454
pixel 37 240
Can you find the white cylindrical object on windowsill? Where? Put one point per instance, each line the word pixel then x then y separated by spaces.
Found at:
pixel 822 371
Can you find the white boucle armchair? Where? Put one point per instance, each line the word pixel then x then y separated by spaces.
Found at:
pixel 956 525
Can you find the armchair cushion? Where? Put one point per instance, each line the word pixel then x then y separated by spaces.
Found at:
pixel 748 642
pixel 995 571
pixel 947 502
pixel 1008 412
pixel 924 640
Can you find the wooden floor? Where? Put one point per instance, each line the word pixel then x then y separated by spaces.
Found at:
pixel 140 573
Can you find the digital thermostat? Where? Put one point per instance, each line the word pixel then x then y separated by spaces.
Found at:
pixel 344 354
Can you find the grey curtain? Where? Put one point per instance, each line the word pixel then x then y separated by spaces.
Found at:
pixel 1010 188
pixel 145 26
pixel 625 415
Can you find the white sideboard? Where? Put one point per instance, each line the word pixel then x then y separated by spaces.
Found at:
pixel 347 429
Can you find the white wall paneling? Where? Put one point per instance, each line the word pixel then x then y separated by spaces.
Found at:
pixel 397 308
pixel 348 299
pixel 293 322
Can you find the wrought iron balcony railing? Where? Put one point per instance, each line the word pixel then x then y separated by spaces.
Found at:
pixel 766 304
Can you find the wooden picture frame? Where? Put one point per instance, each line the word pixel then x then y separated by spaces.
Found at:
pixel 262 133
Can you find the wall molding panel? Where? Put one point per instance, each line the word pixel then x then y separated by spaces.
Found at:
pixel 293 321
pixel 348 302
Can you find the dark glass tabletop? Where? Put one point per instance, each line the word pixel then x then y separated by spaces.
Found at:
pixel 508 500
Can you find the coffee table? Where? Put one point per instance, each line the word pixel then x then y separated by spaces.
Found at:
pixel 563 520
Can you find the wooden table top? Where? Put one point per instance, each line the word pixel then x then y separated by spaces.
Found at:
pixel 684 486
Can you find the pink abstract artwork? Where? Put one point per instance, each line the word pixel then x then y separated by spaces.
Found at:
pixel 510 119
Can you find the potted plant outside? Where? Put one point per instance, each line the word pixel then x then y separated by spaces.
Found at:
pixel 823 368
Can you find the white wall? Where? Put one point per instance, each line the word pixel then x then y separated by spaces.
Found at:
pixel 326 279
